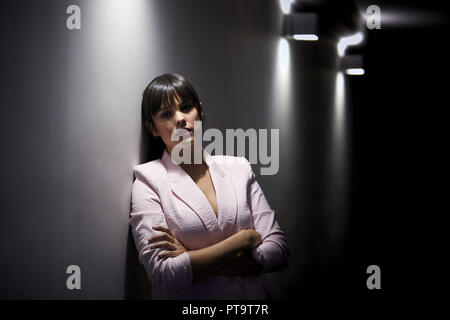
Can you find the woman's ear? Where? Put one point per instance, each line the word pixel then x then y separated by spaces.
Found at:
pixel 150 128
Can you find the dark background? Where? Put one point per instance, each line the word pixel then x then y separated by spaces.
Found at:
pixel 399 207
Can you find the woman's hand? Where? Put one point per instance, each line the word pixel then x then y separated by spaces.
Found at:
pixel 243 264
pixel 252 238
pixel 166 241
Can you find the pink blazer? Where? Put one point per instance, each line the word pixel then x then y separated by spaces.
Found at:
pixel 164 194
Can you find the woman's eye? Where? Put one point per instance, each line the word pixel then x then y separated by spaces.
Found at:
pixel 186 107
pixel 166 114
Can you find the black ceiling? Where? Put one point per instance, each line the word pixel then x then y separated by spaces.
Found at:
pixel 341 17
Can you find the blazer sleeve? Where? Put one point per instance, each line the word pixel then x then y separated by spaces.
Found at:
pixel 172 274
pixel 272 253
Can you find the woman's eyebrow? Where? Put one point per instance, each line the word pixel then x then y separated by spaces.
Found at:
pixel 169 106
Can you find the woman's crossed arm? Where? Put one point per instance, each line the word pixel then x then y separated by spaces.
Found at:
pixel 227 257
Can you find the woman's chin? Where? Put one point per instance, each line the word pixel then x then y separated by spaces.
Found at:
pixel 186 141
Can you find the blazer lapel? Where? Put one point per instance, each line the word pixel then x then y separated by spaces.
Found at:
pixel 226 197
pixel 188 191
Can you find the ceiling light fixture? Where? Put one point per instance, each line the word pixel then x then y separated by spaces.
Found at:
pixel 301 26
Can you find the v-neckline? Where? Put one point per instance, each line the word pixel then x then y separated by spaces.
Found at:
pixel 216 216
pixel 206 198
pixel 185 187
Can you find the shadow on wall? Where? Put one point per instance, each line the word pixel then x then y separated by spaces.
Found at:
pixel 137 285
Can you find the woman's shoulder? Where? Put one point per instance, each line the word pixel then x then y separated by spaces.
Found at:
pixel 229 160
pixel 149 170
pixel 233 165
pixel 154 164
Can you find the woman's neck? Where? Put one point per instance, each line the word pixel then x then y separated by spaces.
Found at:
pixel 193 167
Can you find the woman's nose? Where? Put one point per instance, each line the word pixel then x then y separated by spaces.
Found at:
pixel 180 120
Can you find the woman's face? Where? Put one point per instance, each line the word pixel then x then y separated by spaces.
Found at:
pixel 170 118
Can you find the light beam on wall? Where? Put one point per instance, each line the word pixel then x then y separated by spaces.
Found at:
pixel 338 183
pixel 285 6
pixel 404 17
pixel 101 58
pixel 338 122
pixel 281 103
pixel 283 58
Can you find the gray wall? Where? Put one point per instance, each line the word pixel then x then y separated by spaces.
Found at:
pixel 71 132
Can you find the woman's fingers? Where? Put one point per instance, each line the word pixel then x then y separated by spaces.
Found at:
pixel 162 228
pixel 167 254
pixel 167 242
pixel 164 245
pixel 160 237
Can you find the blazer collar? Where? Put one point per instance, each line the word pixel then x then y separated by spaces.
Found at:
pixel 187 190
pixel 175 172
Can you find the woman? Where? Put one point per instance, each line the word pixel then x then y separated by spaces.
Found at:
pixel 205 230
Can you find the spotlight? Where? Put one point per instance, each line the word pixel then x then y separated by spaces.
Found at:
pixel 355 71
pixel 352 64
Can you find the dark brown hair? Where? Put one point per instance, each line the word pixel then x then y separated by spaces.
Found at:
pixel 162 92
